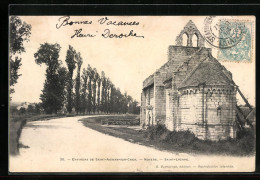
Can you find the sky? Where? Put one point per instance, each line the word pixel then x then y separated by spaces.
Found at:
pixel 126 61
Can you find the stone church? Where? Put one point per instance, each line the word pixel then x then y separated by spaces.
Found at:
pixel 191 91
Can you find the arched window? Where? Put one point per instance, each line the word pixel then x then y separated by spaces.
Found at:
pixel 184 39
pixel 195 40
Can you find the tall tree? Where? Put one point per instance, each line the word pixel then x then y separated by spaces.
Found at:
pixel 20 32
pixel 135 109
pixel 71 64
pixel 112 98
pixel 104 93
pixel 61 87
pixel 98 93
pixel 129 104
pixel 84 91
pixel 124 103
pixel 90 75
pixel 108 86
pixel 95 78
pixel 51 97
pixel 77 87
pixel 118 101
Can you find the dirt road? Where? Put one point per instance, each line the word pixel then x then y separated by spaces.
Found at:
pixel 65 145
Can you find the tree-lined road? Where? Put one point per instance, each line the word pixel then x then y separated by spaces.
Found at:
pixel 65 145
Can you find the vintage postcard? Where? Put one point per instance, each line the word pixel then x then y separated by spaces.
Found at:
pixel 132 94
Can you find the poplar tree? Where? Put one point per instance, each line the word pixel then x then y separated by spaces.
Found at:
pixel 98 93
pixel 108 85
pixel 90 75
pixel 77 87
pixel 95 78
pixel 71 64
pixel 84 90
pixel 104 94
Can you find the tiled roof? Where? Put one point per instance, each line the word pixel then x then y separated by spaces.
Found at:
pixel 209 72
pixel 148 81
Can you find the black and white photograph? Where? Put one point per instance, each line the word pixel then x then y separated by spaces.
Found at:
pixel 132 94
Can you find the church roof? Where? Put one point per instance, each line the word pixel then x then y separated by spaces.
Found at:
pixel 148 81
pixel 209 72
pixel 191 65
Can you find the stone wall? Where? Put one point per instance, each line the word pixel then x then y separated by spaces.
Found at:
pixel 169 109
pixel 180 53
pixel 209 115
pixel 149 96
pixel 142 111
pixel 220 105
pixel 190 108
pixel 147 106
pixel 210 132
pixel 160 105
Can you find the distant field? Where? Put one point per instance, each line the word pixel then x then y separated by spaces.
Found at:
pixel 131 120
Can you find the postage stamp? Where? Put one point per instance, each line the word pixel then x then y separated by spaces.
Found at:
pixel 232 37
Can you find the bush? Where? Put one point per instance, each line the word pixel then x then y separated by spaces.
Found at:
pixel 187 141
pixel 162 134
pixel 13 110
pixel 22 110
pixel 182 138
pixel 245 133
pixel 155 131
pixel 246 140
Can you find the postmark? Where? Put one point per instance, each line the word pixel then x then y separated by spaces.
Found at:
pixel 221 33
pixel 232 38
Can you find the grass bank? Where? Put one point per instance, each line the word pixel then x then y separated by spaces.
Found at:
pixel 183 142
pixel 128 133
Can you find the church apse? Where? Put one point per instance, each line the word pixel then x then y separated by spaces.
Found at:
pixel 191 91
